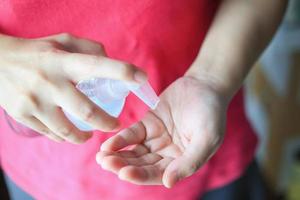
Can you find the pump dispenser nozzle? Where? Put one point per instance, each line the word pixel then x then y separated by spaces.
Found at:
pixel 146 93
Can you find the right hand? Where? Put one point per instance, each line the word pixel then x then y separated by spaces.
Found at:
pixel 38 78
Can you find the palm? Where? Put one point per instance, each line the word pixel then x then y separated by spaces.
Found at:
pixel 172 141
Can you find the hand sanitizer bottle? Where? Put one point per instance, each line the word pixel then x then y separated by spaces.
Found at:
pixel 110 95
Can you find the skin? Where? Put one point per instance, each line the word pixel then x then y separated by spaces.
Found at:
pixel 169 143
pixel 38 79
pixel 174 140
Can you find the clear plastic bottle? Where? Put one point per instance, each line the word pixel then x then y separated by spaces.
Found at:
pixel 110 95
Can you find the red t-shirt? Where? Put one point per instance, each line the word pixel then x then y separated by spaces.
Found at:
pixel 162 37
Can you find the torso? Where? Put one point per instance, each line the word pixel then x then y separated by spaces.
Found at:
pixel 162 37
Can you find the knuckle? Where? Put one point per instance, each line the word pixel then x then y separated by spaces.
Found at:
pixel 45 51
pixel 100 49
pixel 66 36
pixel 27 100
pixel 46 46
pixel 100 45
pixel 42 78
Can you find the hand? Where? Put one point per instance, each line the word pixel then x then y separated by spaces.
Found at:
pixel 172 141
pixel 38 78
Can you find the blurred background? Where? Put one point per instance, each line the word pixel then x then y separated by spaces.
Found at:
pixel 273 107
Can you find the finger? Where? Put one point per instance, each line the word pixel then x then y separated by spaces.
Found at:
pixel 152 136
pixel 39 127
pixel 130 136
pixel 159 143
pixel 57 122
pixel 154 125
pixel 146 175
pixel 136 151
pixel 82 67
pixel 147 159
pixel 172 151
pixel 79 105
pixel 196 154
pixel 75 44
pixel 114 163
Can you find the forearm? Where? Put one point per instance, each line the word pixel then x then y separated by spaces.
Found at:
pixel 240 32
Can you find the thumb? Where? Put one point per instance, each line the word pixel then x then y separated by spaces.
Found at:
pixel 82 67
pixel 180 168
pixel 195 155
pixel 87 59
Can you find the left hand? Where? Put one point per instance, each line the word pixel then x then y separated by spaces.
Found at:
pixel 171 142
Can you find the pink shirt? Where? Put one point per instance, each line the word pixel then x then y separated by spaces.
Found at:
pixel 163 37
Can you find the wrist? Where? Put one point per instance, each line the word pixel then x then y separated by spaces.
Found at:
pixel 223 86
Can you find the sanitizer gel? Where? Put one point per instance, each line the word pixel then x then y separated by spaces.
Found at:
pixel 110 95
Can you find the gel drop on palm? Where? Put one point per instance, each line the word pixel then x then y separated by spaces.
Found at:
pixel 110 95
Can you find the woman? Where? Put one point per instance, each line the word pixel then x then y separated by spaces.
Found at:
pixel 39 68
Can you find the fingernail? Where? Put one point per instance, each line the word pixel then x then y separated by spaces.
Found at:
pixel 140 76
